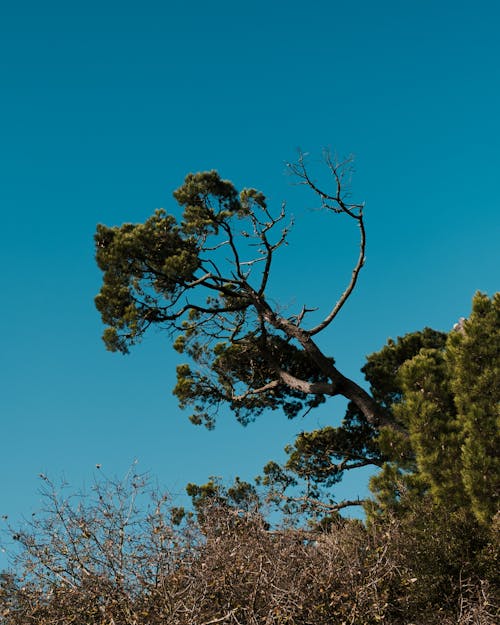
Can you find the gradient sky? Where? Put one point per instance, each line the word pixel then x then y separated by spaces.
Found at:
pixel 105 106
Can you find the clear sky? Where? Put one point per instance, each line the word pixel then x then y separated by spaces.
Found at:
pixel 105 106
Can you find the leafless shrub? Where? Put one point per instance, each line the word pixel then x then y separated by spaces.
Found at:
pixel 117 557
pixel 92 558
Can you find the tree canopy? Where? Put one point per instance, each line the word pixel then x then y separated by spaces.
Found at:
pixel 204 278
pixel 429 421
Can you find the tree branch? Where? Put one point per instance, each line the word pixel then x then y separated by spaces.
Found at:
pixel 350 287
pixel 256 391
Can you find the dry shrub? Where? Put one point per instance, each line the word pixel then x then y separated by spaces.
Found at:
pixel 114 559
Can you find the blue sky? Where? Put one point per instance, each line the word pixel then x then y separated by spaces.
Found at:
pixel 105 106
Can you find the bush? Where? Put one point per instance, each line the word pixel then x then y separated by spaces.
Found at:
pixel 123 555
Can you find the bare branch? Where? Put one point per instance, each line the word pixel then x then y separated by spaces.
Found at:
pixel 350 287
pixel 319 503
pixel 336 203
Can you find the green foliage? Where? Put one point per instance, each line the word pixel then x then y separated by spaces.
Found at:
pixel 148 267
pixel 317 460
pixel 474 361
pixel 312 453
pixel 204 278
pixel 441 393
pixel 145 267
pixel 244 364
pixel 381 369
pixel 208 201
pixel 449 406
pixel 428 410
pixel 176 275
pixel 240 495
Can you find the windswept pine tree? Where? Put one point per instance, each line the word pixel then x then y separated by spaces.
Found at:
pixel 428 422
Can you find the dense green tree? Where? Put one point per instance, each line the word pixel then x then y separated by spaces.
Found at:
pixel 450 406
pixel 473 355
pixel 442 393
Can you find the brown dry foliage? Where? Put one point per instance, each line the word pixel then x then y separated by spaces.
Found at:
pixel 108 563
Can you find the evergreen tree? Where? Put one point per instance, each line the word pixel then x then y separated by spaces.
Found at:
pixel 474 360
pixel 442 394
pixel 205 279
